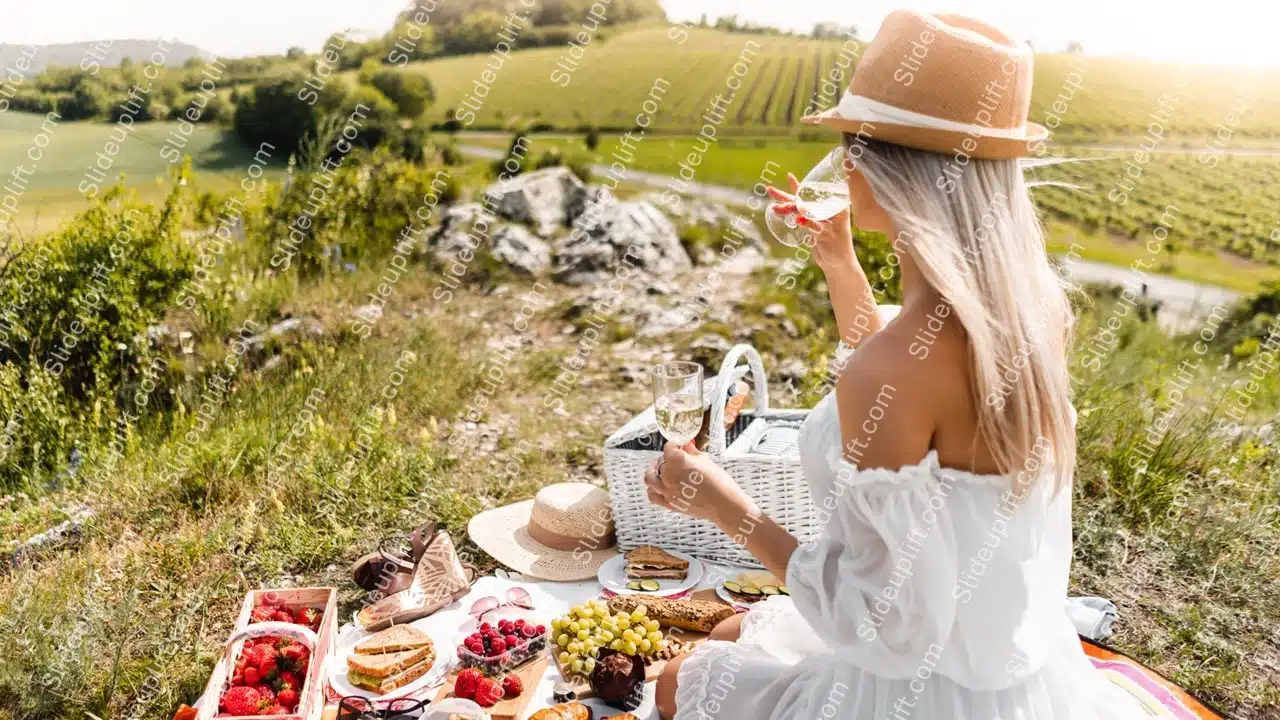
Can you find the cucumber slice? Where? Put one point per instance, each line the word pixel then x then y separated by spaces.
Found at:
pixel 732 586
pixel 783 589
pixel 649 585
pixel 768 590
pixel 750 590
pixel 633 585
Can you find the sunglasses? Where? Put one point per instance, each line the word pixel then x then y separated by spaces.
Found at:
pixel 516 597
pixel 355 707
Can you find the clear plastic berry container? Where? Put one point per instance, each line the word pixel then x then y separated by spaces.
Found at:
pixel 528 646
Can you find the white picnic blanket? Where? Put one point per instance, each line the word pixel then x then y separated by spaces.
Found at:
pixel 550 600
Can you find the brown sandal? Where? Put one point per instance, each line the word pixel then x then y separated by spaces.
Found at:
pixel 439 579
pixel 390 569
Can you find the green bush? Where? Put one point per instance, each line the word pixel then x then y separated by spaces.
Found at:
pixel 411 92
pixel 37 428
pixel 273 112
pixel 78 306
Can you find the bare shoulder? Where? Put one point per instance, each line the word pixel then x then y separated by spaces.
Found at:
pixel 884 422
pixel 897 386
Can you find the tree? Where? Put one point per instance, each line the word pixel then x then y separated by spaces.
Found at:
pixel 271 111
pixel 295 53
pixel 592 140
pixel 411 92
pixel 88 100
pixel 1074 47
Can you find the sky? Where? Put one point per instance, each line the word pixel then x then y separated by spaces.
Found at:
pixel 1224 31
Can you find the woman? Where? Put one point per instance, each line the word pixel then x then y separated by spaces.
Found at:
pixel 942 462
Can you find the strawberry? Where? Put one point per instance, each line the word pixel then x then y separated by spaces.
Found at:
pixel 269 666
pixel 265 692
pixel 251 676
pixel 241 700
pixel 262 613
pixel 237 678
pixel 288 680
pixel 488 692
pixel 292 652
pixel 283 615
pixel 259 655
pixel 307 616
pixel 512 686
pixel 185 712
pixel 276 710
pixel 467 682
pixel 288 698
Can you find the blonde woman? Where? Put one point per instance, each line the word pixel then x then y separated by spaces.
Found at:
pixel 941 464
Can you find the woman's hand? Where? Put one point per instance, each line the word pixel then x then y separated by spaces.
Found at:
pixel 831 241
pixel 686 480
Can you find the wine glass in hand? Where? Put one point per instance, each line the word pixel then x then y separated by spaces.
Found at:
pixel 677 400
pixel 822 194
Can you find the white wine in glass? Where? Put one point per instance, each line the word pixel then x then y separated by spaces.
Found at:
pixel 677 400
pixel 822 194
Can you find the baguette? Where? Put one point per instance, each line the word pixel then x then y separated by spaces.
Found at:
pixel 696 615
pixel 563 711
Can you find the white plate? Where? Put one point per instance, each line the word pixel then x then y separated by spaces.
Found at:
pixel 613 576
pixel 725 596
pixel 347 641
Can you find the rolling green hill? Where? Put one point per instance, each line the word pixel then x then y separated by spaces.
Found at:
pixel 1107 97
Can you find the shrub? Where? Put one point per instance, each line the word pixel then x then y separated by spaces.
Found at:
pixel 87 100
pixel 79 305
pixel 282 110
pixel 37 428
pixel 593 138
pixel 411 92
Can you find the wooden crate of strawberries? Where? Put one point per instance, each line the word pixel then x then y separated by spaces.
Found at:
pixel 268 668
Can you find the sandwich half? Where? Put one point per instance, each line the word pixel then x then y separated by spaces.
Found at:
pixel 396 638
pixel 647 562
pixel 391 659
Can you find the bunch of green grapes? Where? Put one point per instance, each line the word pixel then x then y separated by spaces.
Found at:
pixel 589 627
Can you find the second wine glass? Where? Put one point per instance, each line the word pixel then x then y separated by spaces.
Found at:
pixel 677 400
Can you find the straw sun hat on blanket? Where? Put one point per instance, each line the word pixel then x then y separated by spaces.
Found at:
pixel 564 533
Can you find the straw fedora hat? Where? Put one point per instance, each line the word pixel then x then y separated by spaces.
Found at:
pixel 943 83
pixel 564 533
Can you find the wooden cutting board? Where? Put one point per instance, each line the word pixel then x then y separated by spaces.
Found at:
pixel 508 708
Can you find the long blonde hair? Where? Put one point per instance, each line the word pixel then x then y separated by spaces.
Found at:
pixel 974 233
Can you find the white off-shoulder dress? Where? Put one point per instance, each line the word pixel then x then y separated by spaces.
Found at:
pixel 930 593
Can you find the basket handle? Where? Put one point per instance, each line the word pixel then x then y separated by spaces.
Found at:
pixel 725 380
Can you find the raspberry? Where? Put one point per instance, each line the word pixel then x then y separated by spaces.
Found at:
pixel 511 641
pixel 485 628
pixel 488 692
pixel 512 686
pixel 497 647
pixel 529 631
pixel 467 682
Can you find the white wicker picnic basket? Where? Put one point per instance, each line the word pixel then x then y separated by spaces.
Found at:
pixel 758 451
